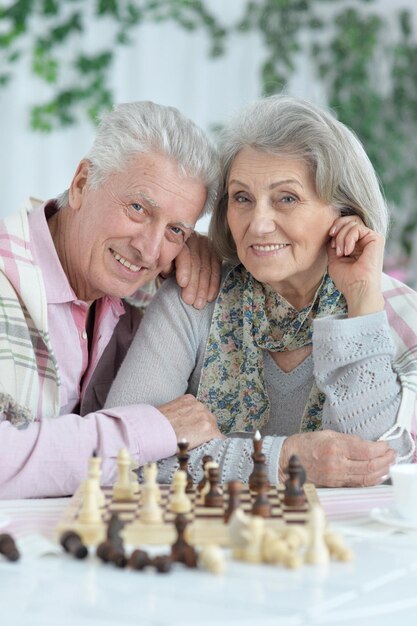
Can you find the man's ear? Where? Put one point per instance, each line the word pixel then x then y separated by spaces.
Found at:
pixel 78 184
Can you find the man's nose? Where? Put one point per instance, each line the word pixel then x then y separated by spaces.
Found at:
pixel 149 244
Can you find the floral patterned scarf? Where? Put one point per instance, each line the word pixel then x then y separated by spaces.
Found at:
pixel 250 317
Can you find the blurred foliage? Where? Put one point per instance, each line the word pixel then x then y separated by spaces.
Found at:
pixel 43 29
pixel 364 59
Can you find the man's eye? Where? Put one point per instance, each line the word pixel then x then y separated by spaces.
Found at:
pixel 136 207
pixel 177 231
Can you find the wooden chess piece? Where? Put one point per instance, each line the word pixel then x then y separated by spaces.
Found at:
pixel 151 512
pixel 162 563
pixel 8 547
pixel 317 552
pixel 181 550
pixel 206 459
pixel 234 488
pixel 183 458
pixel 94 473
pixel 90 525
pixel 214 497
pixel 114 528
pixel 259 463
pixel 124 488
pixel 261 505
pixel 71 542
pixel 139 559
pixel 294 493
pixel 180 502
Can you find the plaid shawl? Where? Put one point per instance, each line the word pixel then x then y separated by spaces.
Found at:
pixel 401 308
pixel 29 378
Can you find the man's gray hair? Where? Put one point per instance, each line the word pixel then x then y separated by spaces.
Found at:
pixel 290 127
pixel 145 127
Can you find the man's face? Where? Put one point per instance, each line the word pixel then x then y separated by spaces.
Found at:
pixel 135 223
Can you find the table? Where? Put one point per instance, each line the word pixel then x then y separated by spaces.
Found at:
pixel 47 587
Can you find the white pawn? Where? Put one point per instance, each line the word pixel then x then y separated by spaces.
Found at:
pixel 212 559
pixel 94 474
pixel 317 552
pixel 124 488
pixel 252 551
pixel 208 466
pixel 90 524
pixel 151 512
pixel 180 502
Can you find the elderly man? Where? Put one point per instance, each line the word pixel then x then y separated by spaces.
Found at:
pixel 65 266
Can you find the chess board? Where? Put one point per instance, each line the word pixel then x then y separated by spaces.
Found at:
pixel 206 524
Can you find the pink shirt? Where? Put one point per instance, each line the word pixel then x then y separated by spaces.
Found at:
pixel 50 457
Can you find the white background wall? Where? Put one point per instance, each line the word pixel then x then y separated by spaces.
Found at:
pixel 166 64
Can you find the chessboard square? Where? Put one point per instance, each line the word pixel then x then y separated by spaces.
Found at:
pixel 116 507
pixel 209 512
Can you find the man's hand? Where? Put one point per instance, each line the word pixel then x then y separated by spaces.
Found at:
pixel 198 271
pixel 333 459
pixel 191 420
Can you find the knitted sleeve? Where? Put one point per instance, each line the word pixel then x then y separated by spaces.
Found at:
pixel 354 368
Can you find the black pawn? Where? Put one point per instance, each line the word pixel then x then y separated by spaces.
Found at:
pixel 234 489
pixel 214 497
pixel 72 543
pixel 261 505
pixel 183 458
pixel 294 493
pixel 8 547
pixel 181 550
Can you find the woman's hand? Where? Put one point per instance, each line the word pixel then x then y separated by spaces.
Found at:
pixel 198 271
pixel 333 459
pixel 355 260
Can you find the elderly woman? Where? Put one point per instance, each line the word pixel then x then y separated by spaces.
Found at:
pixel 308 341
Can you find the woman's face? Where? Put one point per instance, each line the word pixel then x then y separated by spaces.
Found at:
pixel 279 224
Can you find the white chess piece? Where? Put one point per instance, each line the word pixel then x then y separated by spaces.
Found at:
pixel 151 512
pixel 124 488
pixel 317 552
pixel 180 502
pixel 212 559
pixel 90 524
pixel 94 473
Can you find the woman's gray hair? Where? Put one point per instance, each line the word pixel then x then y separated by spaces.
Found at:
pixel 290 127
pixel 144 127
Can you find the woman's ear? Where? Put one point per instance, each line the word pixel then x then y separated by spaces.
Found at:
pixel 78 184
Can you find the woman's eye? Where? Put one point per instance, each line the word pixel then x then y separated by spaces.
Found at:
pixel 288 199
pixel 240 198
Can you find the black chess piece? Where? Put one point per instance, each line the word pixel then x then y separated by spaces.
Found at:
pixel 114 528
pixel 259 464
pixel 183 458
pixel 214 497
pixel 234 488
pixel 181 550
pixel 294 494
pixel 72 543
pixel 261 505
pixel 139 559
pixel 8 547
